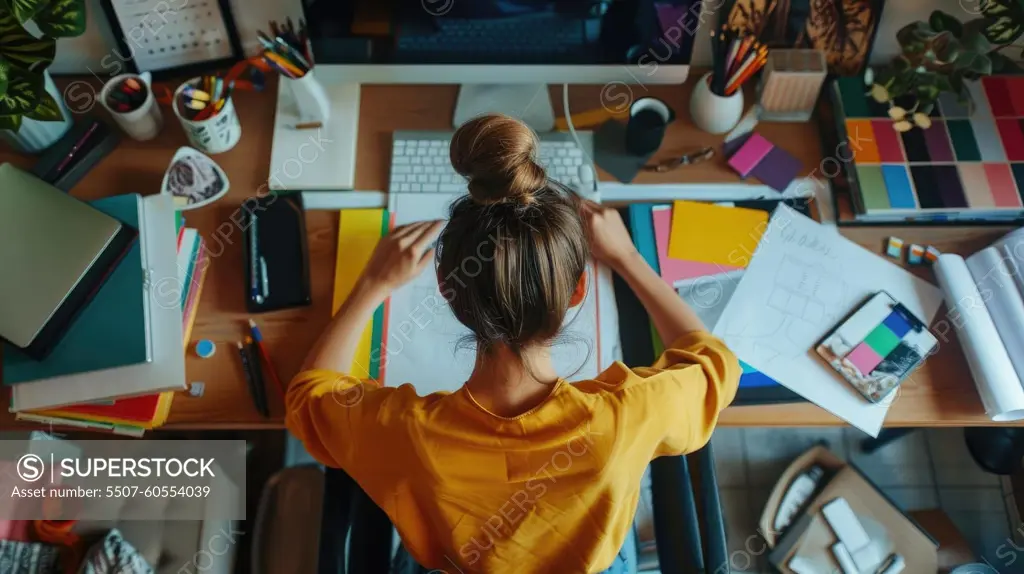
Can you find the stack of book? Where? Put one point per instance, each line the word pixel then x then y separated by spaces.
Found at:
pixel 117 365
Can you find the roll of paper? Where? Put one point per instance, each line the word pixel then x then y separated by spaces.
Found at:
pixel 994 376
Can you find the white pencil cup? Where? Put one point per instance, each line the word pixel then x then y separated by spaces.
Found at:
pixel 310 98
pixel 143 123
pixel 216 134
pixel 713 113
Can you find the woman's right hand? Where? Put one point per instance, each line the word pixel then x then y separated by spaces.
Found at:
pixel 609 241
pixel 400 256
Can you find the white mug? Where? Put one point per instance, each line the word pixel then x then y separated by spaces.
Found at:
pixel 142 123
pixel 216 134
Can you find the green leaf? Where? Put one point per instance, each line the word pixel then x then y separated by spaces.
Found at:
pixel 20 48
pixel 25 10
pixel 3 77
pixel 943 22
pixel 982 65
pixel 48 109
pixel 1004 20
pixel 62 19
pixel 974 37
pixel 11 123
pixel 22 95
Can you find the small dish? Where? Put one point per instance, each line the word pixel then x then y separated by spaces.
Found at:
pixel 193 179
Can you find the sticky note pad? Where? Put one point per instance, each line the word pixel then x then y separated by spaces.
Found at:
pixel 778 169
pixel 715 234
pixel 673 270
pixel 750 155
pixel 359 231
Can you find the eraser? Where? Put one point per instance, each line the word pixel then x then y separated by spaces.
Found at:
pixel 894 247
pixel 932 254
pixel 915 254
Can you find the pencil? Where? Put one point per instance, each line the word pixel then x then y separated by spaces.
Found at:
pixel 261 407
pixel 257 335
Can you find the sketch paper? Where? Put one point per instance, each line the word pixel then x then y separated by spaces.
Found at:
pixel 803 279
pixel 426 345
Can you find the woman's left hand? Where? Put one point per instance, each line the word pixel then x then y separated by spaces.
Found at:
pixel 400 256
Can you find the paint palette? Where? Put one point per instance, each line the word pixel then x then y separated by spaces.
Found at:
pixel 878 346
pixel 964 167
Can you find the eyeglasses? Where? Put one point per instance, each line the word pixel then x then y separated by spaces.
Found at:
pixel 703 154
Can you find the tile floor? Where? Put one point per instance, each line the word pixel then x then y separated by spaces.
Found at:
pixel 925 469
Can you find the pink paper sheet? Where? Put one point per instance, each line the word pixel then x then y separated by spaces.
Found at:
pixel 673 270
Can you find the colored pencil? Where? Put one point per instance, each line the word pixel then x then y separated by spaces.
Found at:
pixel 257 336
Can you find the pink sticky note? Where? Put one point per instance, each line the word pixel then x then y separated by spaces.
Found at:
pixel 747 157
pixel 673 270
pixel 864 358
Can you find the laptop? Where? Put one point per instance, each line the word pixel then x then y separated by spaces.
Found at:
pixel 55 253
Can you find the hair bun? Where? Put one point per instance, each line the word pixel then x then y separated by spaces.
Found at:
pixel 496 154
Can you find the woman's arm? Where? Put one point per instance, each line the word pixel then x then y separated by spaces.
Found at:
pixel 397 259
pixel 612 245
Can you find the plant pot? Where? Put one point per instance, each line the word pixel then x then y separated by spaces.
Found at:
pixel 34 136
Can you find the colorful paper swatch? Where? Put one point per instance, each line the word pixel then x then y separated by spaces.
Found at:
pixel 760 158
pixel 676 270
pixel 715 234
pixel 359 231
pixel 878 346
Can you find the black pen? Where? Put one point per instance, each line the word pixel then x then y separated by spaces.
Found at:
pixel 251 381
pixel 257 375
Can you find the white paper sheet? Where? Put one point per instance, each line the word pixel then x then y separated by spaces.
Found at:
pixel 709 296
pixel 976 314
pixel 803 279
pixel 428 347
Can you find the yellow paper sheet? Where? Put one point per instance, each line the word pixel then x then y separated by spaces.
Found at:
pixel 359 230
pixel 715 234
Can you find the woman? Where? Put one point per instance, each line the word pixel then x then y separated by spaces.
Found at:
pixel 518 470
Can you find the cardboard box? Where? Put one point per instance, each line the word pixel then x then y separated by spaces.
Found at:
pixel 810 535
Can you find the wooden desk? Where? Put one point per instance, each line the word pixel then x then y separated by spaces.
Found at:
pixel 941 393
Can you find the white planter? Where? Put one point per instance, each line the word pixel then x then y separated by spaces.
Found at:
pixel 713 113
pixel 34 136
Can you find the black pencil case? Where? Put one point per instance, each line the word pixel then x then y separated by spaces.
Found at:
pixel 97 146
pixel 276 256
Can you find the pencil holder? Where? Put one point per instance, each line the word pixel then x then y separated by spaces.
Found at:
pixel 216 134
pixel 713 113
pixel 310 98
pixel 791 83
pixel 144 122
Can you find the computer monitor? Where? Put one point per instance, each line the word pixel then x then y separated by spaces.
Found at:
pixel 503 52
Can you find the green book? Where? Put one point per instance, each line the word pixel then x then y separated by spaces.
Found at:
pixel 112 330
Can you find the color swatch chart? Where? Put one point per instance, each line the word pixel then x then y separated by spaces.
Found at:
pixel 963 162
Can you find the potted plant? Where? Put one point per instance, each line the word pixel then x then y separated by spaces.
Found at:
pixel 32 113
pixel 942 55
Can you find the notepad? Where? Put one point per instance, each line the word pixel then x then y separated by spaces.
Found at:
pixel 708 233
pixel 359 231
pixel 673 270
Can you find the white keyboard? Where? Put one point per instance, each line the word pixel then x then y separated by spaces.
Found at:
pixel 419 162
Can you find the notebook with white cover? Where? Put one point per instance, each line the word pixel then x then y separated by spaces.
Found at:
pixel 166 372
